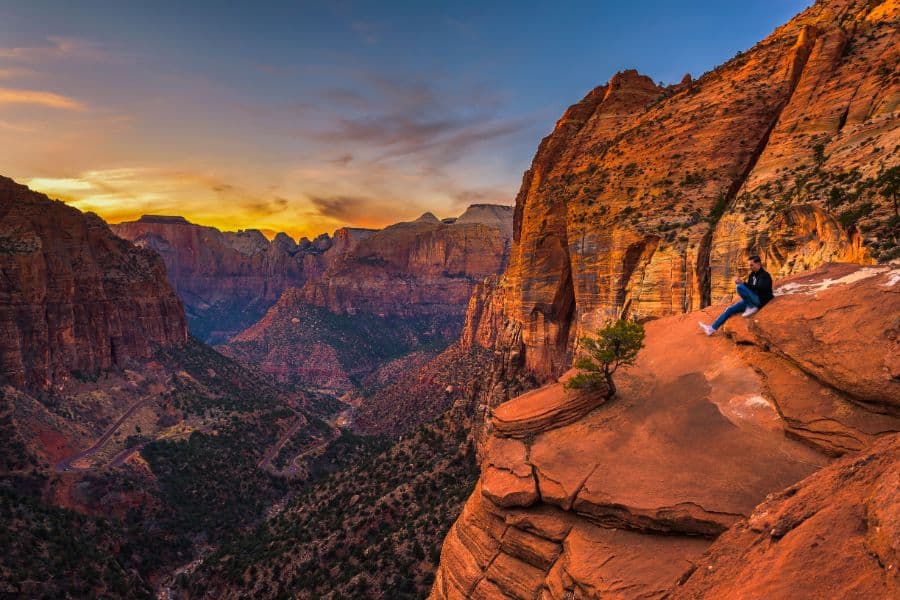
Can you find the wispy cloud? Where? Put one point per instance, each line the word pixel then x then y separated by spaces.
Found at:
pixel 39 98
pixel 15 72
pixel 415 118
pixel 58 48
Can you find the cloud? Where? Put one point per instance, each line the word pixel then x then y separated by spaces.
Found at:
pixel 58 48
pixel 39 98
pixel 390 119
pixel 344 208
pixel 15 72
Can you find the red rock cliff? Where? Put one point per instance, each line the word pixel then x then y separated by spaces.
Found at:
pixel 580 497
pixel 645 201
pixel 422 267
pixel 73 296
pixel 228 280
pixel 391 292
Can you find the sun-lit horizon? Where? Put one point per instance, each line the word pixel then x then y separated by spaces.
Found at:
pixel 307 117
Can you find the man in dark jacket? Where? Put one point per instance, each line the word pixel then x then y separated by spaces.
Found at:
pixel 755 293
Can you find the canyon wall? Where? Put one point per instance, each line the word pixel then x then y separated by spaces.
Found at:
pixel 646 201
pixel 426 266
pixel 75 299
pixel 228 280
pixel 402 289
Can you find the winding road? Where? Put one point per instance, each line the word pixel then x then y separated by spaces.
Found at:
pixel 66 466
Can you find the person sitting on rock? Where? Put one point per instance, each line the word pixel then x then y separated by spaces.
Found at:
pixel 754 295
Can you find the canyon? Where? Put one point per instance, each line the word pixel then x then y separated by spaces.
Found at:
pixel 421 267
pixel 644 203
pixel 187 412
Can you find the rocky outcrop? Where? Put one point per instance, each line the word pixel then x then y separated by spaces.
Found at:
pixel 75 299
pixel 645 201
pixel 228 280
pixel 581 496
pixel 835 534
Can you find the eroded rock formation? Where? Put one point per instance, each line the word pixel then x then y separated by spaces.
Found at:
pixel 583 497
pixel 645 201
pixel 74 298
pixel 421 267
pixel 228 280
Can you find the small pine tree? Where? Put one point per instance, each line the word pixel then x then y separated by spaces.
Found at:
pixel 616 345
pixel 889 185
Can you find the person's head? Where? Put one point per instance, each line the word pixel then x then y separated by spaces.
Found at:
pixel 755 262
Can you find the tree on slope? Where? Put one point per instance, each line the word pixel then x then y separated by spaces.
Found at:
pixel 616 345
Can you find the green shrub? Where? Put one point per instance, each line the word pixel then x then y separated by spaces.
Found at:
pixel 616 345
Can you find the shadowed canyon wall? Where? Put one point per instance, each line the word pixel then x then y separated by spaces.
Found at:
pixel 75 299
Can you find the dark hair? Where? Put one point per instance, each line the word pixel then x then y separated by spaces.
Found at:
pixel 755 258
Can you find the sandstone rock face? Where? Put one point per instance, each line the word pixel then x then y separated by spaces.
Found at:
pixel 834 535
pixel 423 267
pixel 228 280
pixel 581 496
pixel 382 295
pixel 646 201
pixel 74 298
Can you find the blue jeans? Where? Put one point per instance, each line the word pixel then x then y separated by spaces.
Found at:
pixel 748 298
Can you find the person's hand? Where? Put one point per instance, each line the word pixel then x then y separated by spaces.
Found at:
pixel 737 280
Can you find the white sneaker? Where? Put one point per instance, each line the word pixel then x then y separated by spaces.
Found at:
pixel 751 310
pixel 706 328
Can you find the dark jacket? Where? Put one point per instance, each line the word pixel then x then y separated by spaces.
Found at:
pixel 760 282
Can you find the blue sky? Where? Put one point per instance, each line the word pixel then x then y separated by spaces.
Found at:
pixel 304 116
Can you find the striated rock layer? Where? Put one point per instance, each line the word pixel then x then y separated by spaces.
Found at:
pixel 422 267
pixel 74 298
pixel 580 496
pixel 645 201
pixel 228 280
pixel 835 534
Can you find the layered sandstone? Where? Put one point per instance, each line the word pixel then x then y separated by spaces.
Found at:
pixel 580 496
pixel 228 280
pixel 398 290
pixel 421 267
pixel 645 201
pixel 835 534
pixel 75 298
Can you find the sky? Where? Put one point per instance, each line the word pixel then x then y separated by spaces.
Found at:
pixel 307 116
